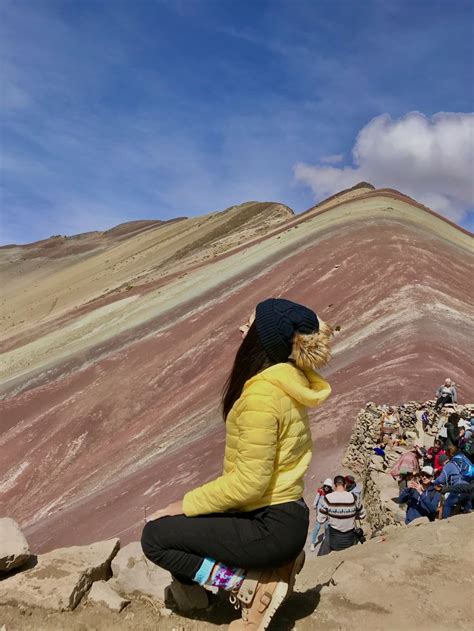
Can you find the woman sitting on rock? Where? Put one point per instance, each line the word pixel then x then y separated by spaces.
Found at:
pixel 245 530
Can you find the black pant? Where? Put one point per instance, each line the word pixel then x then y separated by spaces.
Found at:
pixel 442 400
pixel 335 541
pixel 265 538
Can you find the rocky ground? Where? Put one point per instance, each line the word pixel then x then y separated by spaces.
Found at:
pixel 401 580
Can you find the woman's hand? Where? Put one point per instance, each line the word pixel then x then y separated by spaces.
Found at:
pixel 175 508
pixel 413 484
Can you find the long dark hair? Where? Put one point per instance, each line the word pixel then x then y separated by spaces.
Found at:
pixel 250 359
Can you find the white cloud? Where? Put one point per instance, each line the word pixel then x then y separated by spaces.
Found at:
pixel 430 159
pixel 333 159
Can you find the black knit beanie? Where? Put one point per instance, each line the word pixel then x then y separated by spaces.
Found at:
pixel 277 320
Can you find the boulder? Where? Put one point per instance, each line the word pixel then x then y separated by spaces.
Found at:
pixel 134 573
pixel 60 578
pixel 14 550
pixel 101 592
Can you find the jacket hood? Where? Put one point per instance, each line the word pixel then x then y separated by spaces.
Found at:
pixel 306 386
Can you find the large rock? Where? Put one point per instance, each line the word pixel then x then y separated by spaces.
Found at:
pixel 14 550
pixel 60 578
pixel 101 592
pixel 389 492
pixel 134 573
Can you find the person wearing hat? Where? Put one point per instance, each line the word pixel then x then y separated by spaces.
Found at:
pixel 245 530
pixel 421 497
pixel 326 488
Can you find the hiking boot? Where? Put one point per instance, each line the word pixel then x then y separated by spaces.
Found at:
pixel 262 593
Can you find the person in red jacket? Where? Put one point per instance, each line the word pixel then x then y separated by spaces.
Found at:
pixel 433 454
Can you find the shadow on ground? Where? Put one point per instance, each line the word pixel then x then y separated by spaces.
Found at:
pixel 221 612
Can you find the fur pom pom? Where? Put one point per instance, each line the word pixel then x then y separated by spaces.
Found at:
pixel 313 350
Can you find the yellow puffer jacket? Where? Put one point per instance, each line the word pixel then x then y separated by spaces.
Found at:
pixel 268 443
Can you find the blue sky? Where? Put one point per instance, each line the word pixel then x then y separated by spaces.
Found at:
pixel 120 110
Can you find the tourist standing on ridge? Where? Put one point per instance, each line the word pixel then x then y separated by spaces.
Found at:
pixel 321 492
pixel 341 509
pixel 446 394
pixel 245 530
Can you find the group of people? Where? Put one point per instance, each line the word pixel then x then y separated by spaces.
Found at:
pixel 434 482
pixel 439 481
pixel 338 508
pixel 392 434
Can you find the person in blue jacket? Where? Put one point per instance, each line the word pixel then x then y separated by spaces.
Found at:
pixel 450 476
pixel 421 497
